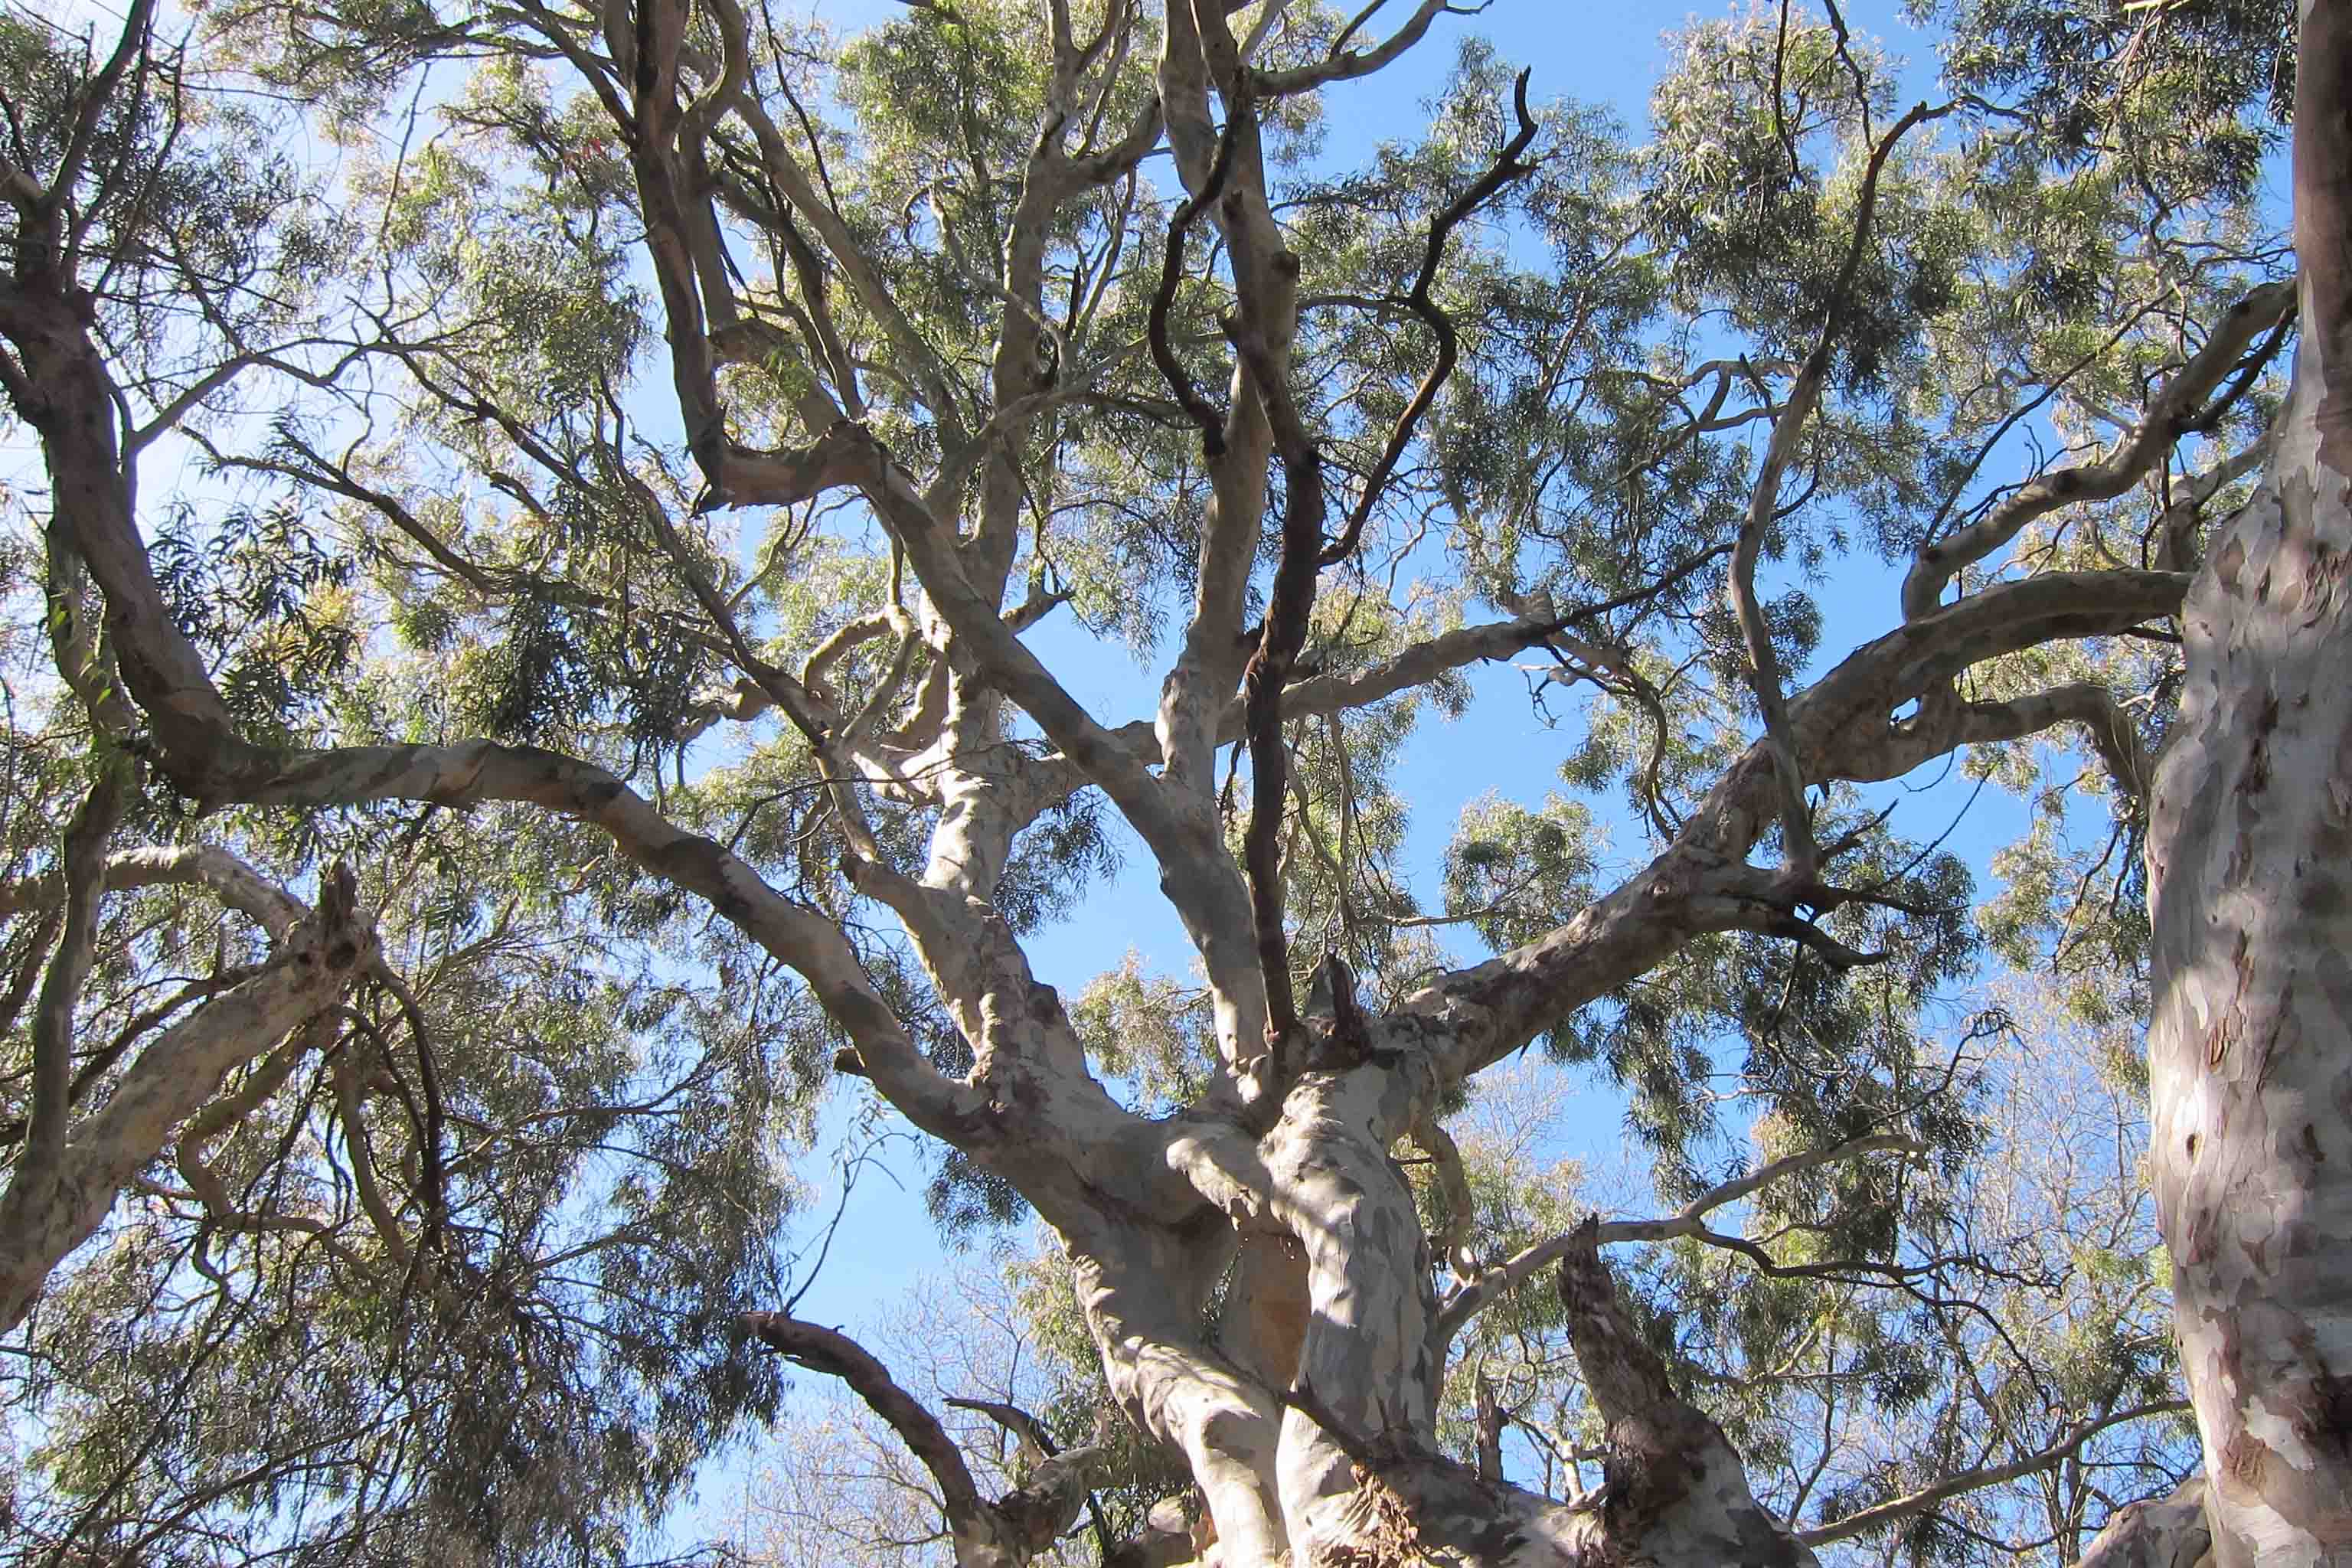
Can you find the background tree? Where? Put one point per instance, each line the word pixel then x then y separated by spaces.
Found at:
pixel 626 831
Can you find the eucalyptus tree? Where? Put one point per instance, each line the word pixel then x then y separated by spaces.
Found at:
pixel 628 829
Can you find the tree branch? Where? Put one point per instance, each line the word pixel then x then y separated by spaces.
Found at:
pixel 1347 66
pixel 1661 1447
pixel 83 868
pixel 2081 1432
pixel 837 1355
pixel 51 1206
pixel 92 103
pixel 207 866
pixel 1164 299
pixel 1504 169
pixel 1841 728
pixel 2174 410
pixel 1763 505
pixel 1467 1301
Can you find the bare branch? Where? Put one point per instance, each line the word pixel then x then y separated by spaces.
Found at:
pixel 1419 663
pixel 349 1080
pixel 1171 277
pixel 1943 727
pixel 265 1079
pixel 93 103
pixel 1009 1531
pixel 237 884
pixel 1505 168
pixel 1461 1207
pixel 2176 527
pixel 1660 1444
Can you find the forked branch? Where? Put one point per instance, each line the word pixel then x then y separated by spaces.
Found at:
pixel 1006 1532
pixel 2065 1446
pixel 1763 662
pixel 1505 168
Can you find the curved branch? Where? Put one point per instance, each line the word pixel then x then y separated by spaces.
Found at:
pixel 207 866
pixel 1763 505
pixel 837 1355
pixel 83 870
pixel 987 1534
pixel 2178 408
pixel 1491 1284
pixel 1671 1470
pixel 1360 62
pixel 1504 169
pixel 1841 728
pixel 2064 1449
pixel 1164 299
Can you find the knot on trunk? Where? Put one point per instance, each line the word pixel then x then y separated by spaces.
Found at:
pixel 339 934
pixel 1036 1514
pixel 1339 1035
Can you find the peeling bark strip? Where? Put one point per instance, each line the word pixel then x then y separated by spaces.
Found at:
pixel 2250 866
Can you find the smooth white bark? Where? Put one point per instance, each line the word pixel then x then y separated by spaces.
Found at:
pixel 2250 870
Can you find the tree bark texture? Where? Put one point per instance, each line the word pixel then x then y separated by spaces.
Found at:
pixel 2249 863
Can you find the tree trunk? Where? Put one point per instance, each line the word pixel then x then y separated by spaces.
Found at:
pixel 2155 1532
pixel 2250 848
